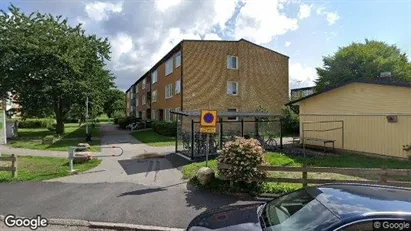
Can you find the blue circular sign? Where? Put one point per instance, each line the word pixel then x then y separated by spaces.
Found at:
pixel 208 117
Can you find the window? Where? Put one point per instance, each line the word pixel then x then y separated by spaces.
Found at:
pixel 153 115
pixel 154 96
pixel 232 110
pixel 143 115
pixel 297 211
pixel 178 116
pixel 169 66
pixel 154 77
pixel 167 114
pixel 136 88
pixel 178 87
pixel 232 88
pixel 178 59
pixel 143 101
pixel 169 91
pixel 232 62
pixel 136 101
pixel 144 84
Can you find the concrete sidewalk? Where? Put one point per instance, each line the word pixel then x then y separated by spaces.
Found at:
pixel 154 172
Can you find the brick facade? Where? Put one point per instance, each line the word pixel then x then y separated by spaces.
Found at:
pixel 261 76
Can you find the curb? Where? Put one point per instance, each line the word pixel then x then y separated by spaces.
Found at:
pixel 103 225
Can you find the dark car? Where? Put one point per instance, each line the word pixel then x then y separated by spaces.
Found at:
pixel 326 207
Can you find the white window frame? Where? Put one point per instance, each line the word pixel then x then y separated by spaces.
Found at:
pixel 169 91
pixel 178 58
pixel 143 100
pixel 177 116
pixel 228 118
pixel 167 115
pixel 154 99
pixel 153 115
pixel 169 66
pixel 229 85
pixel 154 76
pixel 177 87
pixel 228 62
pixel 143 84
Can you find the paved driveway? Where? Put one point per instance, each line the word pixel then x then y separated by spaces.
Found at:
pixel 130 167
pixel 171 206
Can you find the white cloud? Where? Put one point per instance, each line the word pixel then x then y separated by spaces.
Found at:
pixel 224 10
pixel 261 21
pixel 212 36
pixel 331 17
pixel 163 5
pixel 305 11
pixel 99 10
pixel 302 75
pixel 287 44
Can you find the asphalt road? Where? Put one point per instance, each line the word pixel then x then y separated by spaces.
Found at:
pixel 173 206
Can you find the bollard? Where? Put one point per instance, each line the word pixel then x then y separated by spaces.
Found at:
pixel 71 158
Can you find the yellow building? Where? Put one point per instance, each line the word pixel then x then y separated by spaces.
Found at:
pixel 362 116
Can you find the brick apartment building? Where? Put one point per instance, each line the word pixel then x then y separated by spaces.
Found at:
pixel 225 75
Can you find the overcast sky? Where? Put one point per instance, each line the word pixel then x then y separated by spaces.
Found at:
pixel 142 31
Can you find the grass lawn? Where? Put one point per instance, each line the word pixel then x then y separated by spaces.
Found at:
pixel 151 138
pixel 30 138
pixel 31 168
pixel 277 159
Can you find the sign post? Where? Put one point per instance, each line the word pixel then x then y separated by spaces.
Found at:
pixel 208 122
pixel 3 125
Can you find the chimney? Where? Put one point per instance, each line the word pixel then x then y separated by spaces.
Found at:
pixel 385 76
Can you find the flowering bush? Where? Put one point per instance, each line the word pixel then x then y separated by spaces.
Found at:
pixel 243 155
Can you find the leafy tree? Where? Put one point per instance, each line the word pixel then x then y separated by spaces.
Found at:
pixel 115 101
pixel 363 61
pixel 51 65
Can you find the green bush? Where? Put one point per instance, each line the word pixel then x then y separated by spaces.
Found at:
pixel 52 127
pixel 244 156
pixel 291 122
pixel 36 123
pixel 164 128
pixel 123 122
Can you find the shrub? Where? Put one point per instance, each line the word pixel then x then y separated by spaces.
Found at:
pixel 164 128
pixel 36 123
pixel 244 156
pixel 123 122
pixel 291 122
pixel 52 127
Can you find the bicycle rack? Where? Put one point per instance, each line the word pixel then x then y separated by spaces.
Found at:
pixel 112 155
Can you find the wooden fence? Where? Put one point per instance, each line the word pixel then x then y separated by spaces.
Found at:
pixel 382 175
pixel 13 167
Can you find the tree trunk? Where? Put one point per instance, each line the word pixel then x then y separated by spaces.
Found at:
pixel 58 110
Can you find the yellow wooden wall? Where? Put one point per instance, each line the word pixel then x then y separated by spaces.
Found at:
pixel 363 108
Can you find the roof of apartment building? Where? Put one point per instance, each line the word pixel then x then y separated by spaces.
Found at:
pixel 178 47
pixel 367 81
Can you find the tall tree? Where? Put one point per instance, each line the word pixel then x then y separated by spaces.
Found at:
pixel 50 64
pixel 114 102
pixel 363 61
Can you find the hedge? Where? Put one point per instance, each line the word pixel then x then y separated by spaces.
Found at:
pixel 165 128
pixel 123 122
pixel 36 123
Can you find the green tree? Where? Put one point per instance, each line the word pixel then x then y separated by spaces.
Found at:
pixel 51 65
pixel 363 61
pixel 115 101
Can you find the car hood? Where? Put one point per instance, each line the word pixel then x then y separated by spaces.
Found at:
pixel 240 217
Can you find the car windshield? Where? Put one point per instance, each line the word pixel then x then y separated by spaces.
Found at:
pixel 297 211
